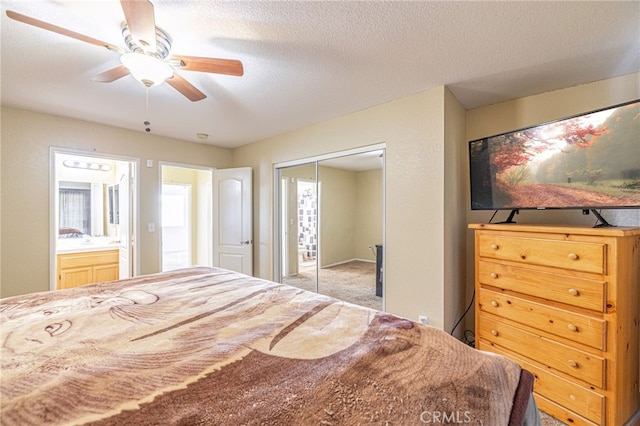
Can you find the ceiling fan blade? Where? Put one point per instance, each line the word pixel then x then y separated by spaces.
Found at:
pixel 186 88
pixel 140 17
pixel 111 75
pixel 56 29
pixel 212 65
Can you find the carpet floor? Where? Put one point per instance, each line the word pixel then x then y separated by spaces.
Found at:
pixel 353 282
pixel 547 420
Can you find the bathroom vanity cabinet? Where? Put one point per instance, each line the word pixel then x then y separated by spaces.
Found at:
pixel 79 268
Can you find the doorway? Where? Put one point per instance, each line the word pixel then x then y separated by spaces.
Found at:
pixel 330 219
pixel 176 226
pixel 92 216
pixel 186 216
pixel 215 221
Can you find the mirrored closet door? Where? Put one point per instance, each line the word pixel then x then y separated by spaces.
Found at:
pixel 331 226
pixel 299 226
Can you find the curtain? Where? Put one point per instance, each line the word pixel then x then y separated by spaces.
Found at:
pixel 75 209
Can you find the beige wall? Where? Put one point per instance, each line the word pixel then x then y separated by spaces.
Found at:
pixel 413 130
pixel 454 221
pixel 426 184
pixel 26 141
pixel 531 110
pixel 369 224
pixel 350 214
pixel 204 219
pixel 338 200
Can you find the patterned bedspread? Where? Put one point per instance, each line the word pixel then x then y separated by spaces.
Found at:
pixel 215 347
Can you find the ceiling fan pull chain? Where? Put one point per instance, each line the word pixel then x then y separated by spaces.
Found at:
pixel 146 121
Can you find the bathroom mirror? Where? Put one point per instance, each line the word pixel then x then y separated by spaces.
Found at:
pixel 114 210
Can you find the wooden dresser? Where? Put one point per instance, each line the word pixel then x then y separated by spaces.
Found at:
pixel 564 303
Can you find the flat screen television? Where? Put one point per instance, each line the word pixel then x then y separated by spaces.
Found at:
pixel 589 162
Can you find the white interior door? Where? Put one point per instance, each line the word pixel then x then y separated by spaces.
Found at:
pixel 284 226
pixel 233 219
pixel 124 220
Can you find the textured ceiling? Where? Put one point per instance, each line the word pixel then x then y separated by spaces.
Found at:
pixel 306 62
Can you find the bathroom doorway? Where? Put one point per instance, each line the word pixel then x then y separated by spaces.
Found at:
pixel 93 218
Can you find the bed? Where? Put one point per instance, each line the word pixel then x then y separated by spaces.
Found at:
pixel 216 347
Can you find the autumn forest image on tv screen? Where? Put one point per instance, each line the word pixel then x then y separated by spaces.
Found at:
pixel 588 161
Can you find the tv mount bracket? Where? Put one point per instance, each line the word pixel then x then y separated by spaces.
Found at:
pixel 601 223
pixel 511 215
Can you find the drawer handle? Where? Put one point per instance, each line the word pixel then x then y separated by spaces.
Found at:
pixel 573 256
pixel 573 292
pixel 494 332
pixel 494 247
pixel 493 275
pixel 494 304
pixel 572 327
pixel 572 363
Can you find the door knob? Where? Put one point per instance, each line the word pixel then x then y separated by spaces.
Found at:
pixel 245 242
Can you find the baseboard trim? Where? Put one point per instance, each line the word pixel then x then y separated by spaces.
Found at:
pixel 634 420
pixel 347 261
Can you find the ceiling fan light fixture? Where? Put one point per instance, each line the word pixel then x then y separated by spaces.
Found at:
pixel 147 69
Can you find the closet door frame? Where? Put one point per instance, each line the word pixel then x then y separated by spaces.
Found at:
pixel 278 202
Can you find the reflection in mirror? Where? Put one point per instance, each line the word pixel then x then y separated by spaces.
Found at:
pixel 114 208
pixel 298 215
pixel 87 197
pixel 351 228
pixel 331 227
pixel 74 209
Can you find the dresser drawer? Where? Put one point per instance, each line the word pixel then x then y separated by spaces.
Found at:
pixel 580 292
pixel 574 362
pixel 575 327
pixel 572 396
pixel 567 417
pixel 573 255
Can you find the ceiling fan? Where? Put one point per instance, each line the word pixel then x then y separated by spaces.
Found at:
pixel 147 56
